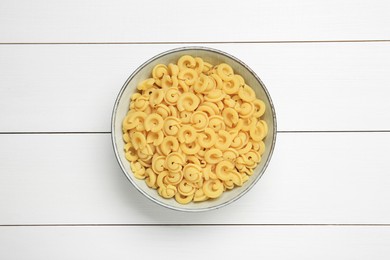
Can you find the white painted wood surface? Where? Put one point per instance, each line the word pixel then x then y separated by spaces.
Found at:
pixel 315 86
pixel 200 21
pixel 253 242
pixel 325 194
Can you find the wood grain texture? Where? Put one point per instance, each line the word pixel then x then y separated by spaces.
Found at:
pixel 194 242
pixel 312 179
pixel 327 86
pixel 182 21
pixel 70 84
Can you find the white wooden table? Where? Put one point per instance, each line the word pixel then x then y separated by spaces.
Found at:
pixel 325 194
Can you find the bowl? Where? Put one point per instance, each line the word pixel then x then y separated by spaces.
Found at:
pixel 214 57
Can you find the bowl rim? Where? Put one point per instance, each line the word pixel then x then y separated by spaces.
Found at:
pixel 113 118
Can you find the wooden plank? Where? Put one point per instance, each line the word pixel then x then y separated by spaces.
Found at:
pixel 328 86
pixel 334 178
pixel 182 21
pixel 274 242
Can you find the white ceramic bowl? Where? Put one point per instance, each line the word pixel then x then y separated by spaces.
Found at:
pixel 214 57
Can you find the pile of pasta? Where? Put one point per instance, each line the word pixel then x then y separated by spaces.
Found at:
pixel 194 130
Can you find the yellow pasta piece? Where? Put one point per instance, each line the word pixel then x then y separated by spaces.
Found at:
pixel 188 76
pixel 251 158
pixel 190 148
pixel 216 123
pixel 220 105
pixel 223 141
pixel 146 84
pixel 131 155
pixel 199 64
pixel 187 134
pixel 185 117
pixel 248 123
pixel 173 69
pixel 171 125
pixel 214 107
pixel 215 96
pixel 193 159
pixel 245 149
pixel 246 110
pixel 213 156
pixel 230 154
pixel 217 83
pixel 200 154
pixel 155 138
pixel 174 162
pixel 168 191
pixel 163 110
pixel 134 120
pixel 202 83
pixel 192 172
pixel 225 71
pixel 182 199
pixel 151 178
pixel 173 112
pixel 158 164
pixel 230 116
pixel 154 122
pixel 188 101
pixel 156 97
pixel 169 144
pixel 232 85
pixel 199 120
pixel 206 109
pixel 213 188
pixel 258 131
pixel 259 106
pixel 138 141
pixel 223 170
pixel 158 73
pixel 240 79
pixel 246 93
pixel 138 170
pixel 237 178
pixel 208 138
pixel 171 95
pixel 148 110
pixel 229 102
pixel 186 61
pixel 261 148
pixel 199 195
pixel 186 188
pixel 206 67
pixel 228 185
pixel 147 150
pixel 183 87
pixel 126 136
pixel 169 82
pixel 174 178
pixel 135 96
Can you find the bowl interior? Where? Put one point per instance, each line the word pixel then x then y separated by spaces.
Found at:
pixel 213 57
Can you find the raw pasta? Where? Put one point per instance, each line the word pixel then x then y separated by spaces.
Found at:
pixel 194 130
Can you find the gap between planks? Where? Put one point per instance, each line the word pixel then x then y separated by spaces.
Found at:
pixel 191 42
pixel 278 132
pixel 191 225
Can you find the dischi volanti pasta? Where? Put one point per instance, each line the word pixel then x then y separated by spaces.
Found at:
pixel 194 130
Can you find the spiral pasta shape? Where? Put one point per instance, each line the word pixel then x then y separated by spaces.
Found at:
pixel 188 101
pixel 154 123
pixel 199 120
pixel 213 188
